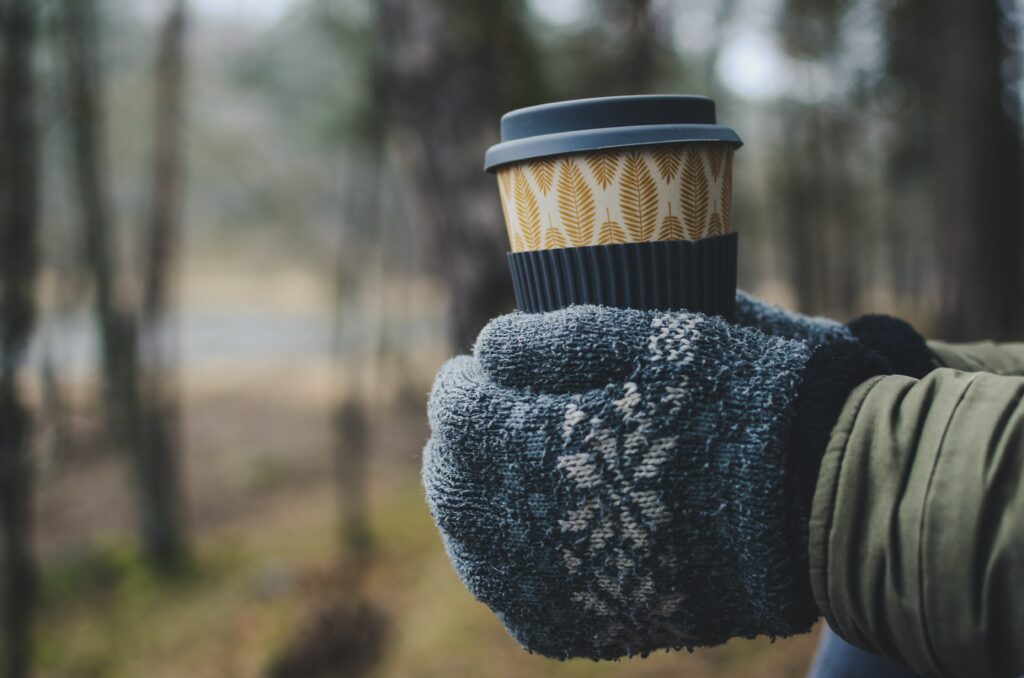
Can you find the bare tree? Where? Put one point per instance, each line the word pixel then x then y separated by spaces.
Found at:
pixel 637 33
pixel 453 67
pixel 130 418
pixel 160 446
pixel 979 172
pixel 618 47
pixel 825 219
pixel 19 206
pixel 910 161
pixel 351 454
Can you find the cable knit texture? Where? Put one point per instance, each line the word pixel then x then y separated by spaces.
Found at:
pixel 611 482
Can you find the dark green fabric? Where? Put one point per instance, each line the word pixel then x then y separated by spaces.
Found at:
pixel 917 527
pixel 981 356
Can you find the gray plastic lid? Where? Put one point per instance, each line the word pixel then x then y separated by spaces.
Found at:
pixel 606 122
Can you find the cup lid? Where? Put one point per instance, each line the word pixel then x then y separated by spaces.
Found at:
pixel 605 122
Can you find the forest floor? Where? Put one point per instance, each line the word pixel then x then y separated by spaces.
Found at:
pixel 263 513
pixel 264 520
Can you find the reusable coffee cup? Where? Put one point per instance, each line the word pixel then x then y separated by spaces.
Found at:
pixel 620 201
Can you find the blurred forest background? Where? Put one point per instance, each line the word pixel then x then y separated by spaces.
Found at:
pixel 238 238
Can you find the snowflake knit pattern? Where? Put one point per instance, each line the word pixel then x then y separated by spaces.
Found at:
pixel 612 482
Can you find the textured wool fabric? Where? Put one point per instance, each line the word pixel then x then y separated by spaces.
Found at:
pixel 612 482
pixel 895 340
pixel 770 319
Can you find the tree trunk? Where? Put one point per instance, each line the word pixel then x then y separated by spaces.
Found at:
pixel 804 209
pixel 19 186
pixel 129 418
pixel 351 454
pixel 979 176
pixel 911 42
pixel 161 415
pixel 640 54
pixel 453 67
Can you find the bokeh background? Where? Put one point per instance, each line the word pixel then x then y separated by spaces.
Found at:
pixel 238 238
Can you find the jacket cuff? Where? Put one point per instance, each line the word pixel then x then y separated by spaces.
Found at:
pixel 897 342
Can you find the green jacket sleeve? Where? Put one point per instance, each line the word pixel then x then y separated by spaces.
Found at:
pixel 917 527
pixel 982 356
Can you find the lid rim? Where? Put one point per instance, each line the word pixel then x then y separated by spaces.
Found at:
pixel 612 111
pixel 583 140
pixel 641 98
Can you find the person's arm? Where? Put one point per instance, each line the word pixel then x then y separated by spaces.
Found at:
pixel 981 356
pixel 917 529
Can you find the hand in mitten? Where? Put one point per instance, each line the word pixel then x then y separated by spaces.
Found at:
pixel 611 482
pixel 896 341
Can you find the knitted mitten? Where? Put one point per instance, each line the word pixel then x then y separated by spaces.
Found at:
pixel 904 350
pixel 611 482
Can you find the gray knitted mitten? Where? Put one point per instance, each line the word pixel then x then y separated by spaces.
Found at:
pixel 899 344
pixel 771 319
pixel 611 482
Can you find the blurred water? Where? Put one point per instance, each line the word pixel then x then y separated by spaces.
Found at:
pixel 70 340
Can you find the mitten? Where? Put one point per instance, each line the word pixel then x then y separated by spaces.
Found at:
pixel 895 340
pixel 611 482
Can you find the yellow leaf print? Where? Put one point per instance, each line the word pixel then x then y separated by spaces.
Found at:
pixel 610 232
pixel 667 158
pixel 715 225
pixel 604 165
pixel 575 204
pixel 505 192
pixel 638 197
pixel 527 212
pixel 694 196
pixel 505 178
pixel 727 189
pixel 543 171
pixel 553 237
pixel 714 160
pixel 671 227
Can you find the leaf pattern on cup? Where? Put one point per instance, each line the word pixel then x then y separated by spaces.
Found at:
pixel 638 197
pixel 667 159
pixel 715 153
pixel 715 225
pixel 575 204
pixel 543 171
pixel 726 196
pixel 693 196
pixel 646 193
pixel 527 212
pixel 505 193
pixel 610 232
pixel 554 238
pixel 671 227
pixel 604 167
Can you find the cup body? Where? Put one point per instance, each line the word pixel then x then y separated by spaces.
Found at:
pixel 677 191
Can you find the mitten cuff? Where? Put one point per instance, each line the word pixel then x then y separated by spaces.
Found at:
pixel 833 371
pixel 773 320
pixel 897 342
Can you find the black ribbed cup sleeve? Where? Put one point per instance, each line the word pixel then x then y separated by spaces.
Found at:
pixel 663 275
